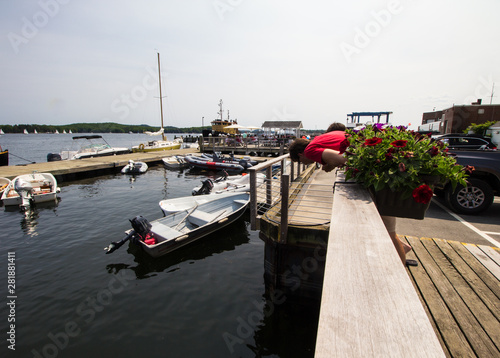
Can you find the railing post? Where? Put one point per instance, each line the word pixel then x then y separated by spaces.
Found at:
pixel 253 199
pixel 292 170
pixel 269 187
pixel 284 207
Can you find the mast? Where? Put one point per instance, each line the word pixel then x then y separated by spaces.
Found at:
pixel 161 104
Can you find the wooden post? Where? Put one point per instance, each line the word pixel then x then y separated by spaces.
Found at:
pixel 284 208
pixel 253 199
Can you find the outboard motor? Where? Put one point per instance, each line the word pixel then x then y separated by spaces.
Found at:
pixel 25 191
pixel 206 187
pixel 141 225
pixel 53 157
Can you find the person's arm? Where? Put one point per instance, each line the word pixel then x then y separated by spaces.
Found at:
pixel 332 159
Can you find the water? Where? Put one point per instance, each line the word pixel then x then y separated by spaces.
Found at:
pixel 207 299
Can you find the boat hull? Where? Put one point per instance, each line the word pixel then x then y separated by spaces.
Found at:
pixel 145 149
pixel 4 158
pixel 175 162
pixel 198 162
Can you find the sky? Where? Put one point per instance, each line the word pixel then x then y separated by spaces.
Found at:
pixel 73 61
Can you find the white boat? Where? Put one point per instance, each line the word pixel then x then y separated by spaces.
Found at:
pixel 25 131
pixel 158 145
pixel 35 132
pixel 181 228
pixel 4 183
pixel 170 206
pixel 134 168
pixel 92 146
pixel 175 162
pixel 1 131
pixel 233 183
pixel 30 188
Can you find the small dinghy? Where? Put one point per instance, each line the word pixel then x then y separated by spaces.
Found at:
pixel 135 168
pixel 233 183
pixel 175 162
pixel 167 234
pixel 206 163
pixel 27 189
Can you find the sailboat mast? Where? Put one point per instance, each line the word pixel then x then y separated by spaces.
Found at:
pixel 161 98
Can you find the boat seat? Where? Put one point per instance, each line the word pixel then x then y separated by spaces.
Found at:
pixel 164 231
pixel 200 218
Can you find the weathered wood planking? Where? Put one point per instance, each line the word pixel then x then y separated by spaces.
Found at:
pixel 461 295
pixel 369 306
pixel 485 259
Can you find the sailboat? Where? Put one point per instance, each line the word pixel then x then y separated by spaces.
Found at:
pixel 35 132
pixel 25 131
pixel 157 145
pixel 1 131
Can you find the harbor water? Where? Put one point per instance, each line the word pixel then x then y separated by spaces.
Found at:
pixel 70 299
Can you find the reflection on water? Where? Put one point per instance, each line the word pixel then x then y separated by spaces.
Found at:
pixel 31 215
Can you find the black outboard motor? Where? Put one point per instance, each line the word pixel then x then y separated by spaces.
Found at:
pixel 141 225
pixel 53 157
pixel 206 187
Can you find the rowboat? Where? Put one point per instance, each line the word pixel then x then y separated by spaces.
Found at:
pixel 233 183
pixel 134 168
pixel 170 206
pixel 167 234
pixel 27 189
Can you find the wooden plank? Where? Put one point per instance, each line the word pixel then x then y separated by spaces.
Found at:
pixel 451 334
pixel 484 259
pixel 481 271
pixel 369 306
pixel 481 301
pixel 462 301
pixel 492 252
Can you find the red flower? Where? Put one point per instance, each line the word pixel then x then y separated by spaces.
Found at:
pixel 422 194
pixel 399 143
pixel 402 167
pixel 434 151
pixel 343 146
pixel 373 141
pixel 388 156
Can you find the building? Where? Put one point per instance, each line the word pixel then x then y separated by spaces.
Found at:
pixel 457 118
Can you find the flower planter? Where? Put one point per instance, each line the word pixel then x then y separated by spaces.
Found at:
pixel 389 203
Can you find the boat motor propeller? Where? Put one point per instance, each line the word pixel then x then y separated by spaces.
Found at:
pixel 141 226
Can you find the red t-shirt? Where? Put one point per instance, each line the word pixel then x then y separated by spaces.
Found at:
pixel 330 140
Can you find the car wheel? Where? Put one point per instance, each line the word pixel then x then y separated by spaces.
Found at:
pixel 476 197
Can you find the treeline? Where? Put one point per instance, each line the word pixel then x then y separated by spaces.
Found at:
pixel 94 128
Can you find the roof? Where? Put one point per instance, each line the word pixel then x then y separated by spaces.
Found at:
pixel 283 124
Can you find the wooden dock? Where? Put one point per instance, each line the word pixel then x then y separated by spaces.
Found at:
pixel 459 286
pixel 65 170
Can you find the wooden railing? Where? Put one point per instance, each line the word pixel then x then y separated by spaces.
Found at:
pixel 369 306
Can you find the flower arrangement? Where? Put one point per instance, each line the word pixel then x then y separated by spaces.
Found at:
pixel 403 161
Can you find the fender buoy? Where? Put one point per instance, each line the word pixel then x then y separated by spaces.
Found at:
pixel 141 146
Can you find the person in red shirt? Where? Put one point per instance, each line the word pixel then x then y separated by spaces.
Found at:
pixel 325 149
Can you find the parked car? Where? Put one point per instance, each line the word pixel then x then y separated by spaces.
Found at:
pixel 466 141
pixel 483 182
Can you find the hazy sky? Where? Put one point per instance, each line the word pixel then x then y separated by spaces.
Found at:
pixel 69 61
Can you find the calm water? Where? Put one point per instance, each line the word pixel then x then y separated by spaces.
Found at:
pixel 207 299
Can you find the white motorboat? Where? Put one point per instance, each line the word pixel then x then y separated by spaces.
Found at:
pixel 181 228
pixel 175 162
pixel 233 183
pixel 170 206
pixel 27 189
pixel 91 146
pixel 134 168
